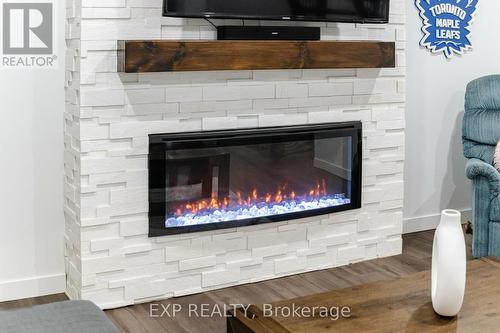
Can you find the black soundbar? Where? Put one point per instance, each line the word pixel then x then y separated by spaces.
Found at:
pixel 229 32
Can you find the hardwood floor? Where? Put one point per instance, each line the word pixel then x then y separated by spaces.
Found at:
pixel 416 257
pixel 27 302
pixel 400 305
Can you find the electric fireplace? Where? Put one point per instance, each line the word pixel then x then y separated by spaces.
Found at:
pixel 224 179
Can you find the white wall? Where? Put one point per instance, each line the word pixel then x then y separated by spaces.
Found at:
pixel 435 102
pixel 31 171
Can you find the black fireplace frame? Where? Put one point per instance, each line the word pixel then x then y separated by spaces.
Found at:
pixel 160 143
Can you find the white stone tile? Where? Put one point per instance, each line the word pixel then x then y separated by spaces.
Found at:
pixel 102 265
pixel 330 89
pixel 185 285
pixel 219 123
pixel 320 101
pixel 128 195
pixel 184 94
pixel 157 287
pixel 133 129
pixel 196 263
pixel 351 253
pixel 106 298
pixel 106 13
pixel 228 93
pixel 219 277
pixel 390 247
pixel 290 264
pixel 122 209
pixel 386 141
pixel 115 164
pixel 291 90
pixel 387 113
pixel 105 244
pixel 134 228
pixel 103 3
pixel 145 96
pixel 262 272
pixel 266 120
pixel 180 32
pixel 375 86
pixel 146 4
pixel 155 256
pixel 102 97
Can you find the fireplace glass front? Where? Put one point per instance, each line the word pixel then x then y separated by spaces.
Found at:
pixel 225 179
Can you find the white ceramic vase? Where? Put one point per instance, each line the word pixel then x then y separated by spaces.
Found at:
pixel 448 265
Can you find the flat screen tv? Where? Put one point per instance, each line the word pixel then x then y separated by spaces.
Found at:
pixel 358 11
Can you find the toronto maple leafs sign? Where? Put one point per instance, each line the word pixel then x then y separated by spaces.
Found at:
pixel 446 25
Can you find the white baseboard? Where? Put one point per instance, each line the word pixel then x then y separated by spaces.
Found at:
pixel 429 222
pixel 32 287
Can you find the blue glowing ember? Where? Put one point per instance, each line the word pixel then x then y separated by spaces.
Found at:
pixel 255 210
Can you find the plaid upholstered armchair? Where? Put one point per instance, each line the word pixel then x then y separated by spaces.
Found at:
pixel 481 133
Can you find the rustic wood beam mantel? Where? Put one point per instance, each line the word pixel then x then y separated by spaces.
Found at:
pixel 208 55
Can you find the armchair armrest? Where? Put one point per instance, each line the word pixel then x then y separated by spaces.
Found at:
pixel 477 168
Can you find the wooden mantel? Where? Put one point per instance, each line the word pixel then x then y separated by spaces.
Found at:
pixel 206 55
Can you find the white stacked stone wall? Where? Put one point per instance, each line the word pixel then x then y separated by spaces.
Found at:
pixel 110 259
pixel 72 184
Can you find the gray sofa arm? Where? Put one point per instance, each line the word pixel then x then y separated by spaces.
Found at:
pixel 477 168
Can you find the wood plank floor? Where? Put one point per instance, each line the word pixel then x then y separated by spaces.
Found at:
pixel 416 257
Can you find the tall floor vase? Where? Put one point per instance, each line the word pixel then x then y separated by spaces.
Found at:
pixel 448 265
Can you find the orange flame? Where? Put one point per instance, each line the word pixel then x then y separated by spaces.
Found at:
pixel 278 198
pixel 281 194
